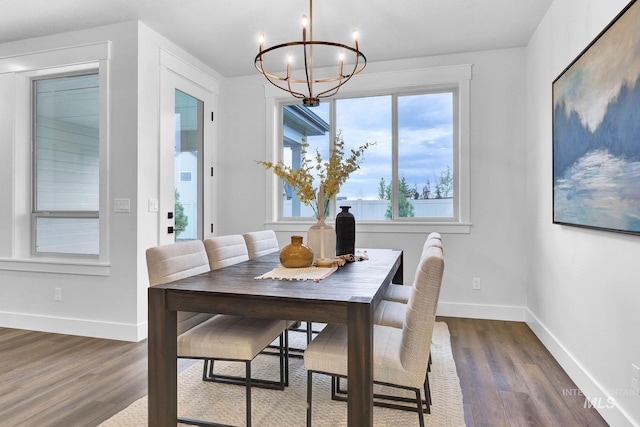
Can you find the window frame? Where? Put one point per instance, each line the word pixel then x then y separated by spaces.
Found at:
pixel 60 214
pixel 16 72
pixel 398 83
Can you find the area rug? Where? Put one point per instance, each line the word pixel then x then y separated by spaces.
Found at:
pixel 222 403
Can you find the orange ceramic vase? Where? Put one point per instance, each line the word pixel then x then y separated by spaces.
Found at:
pixel 295 254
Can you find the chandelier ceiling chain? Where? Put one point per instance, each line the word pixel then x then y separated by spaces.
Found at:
pixel 304 88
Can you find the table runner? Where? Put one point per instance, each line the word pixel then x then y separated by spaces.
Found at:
pixel 307 273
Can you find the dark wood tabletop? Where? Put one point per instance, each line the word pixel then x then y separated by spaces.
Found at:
pixel 348 296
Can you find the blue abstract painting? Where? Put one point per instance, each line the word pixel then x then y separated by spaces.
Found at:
pixel 596 131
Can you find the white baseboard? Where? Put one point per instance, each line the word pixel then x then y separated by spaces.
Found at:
pixel 81 327
pixel 138 332
pixel 482 311
pixel 602 401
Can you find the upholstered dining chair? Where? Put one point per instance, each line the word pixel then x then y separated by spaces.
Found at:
pixel 224 251
pixel 400 293
pixel 393 313
pixel 261 243
pixel 400 356
pixel 171 262
pixel 264 242
pixel 215 337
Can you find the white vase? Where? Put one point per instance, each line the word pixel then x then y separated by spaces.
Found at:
pixel 321 239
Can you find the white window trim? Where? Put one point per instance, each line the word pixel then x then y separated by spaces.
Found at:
pixel 23 68
pixel 458 76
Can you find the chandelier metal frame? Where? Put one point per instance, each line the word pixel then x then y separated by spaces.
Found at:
pixel 293 85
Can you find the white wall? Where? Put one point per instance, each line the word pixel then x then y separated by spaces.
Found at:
pixel 114 303
pixel 583 286
pixel 98 305
pixel 493 251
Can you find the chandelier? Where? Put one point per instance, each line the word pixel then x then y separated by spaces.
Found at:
pixel 303 84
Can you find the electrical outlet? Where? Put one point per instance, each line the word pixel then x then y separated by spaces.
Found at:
pixel 57 294
pixel 476 283
pixel 635 379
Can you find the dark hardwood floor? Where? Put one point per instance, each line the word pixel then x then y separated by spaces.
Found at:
pixel 62 380
pixel 507 377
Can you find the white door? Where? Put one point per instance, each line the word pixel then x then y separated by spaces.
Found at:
pixel 187 149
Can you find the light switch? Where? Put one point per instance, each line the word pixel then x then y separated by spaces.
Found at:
pixel 122 205
pixel 153 205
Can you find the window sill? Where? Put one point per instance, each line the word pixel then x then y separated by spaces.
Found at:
pixel 380 226
pixel 60 266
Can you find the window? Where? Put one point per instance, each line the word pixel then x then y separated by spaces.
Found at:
pixel 189 145
pixel 66 181
pixel 397 92
pixel 57 126
pixel 408 174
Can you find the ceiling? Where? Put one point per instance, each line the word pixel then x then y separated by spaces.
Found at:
pixel 224 34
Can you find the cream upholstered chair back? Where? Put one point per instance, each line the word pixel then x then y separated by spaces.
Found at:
pixel 175 261
pixel 434 235
pixel 226 250
pixel 433 239
pixel 421 313
pixel 261 243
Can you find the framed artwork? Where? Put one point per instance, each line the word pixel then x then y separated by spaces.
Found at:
pixel 596 131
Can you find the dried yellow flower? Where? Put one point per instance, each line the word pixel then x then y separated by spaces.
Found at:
pixel 332 173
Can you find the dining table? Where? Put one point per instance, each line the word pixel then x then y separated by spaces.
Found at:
pixel 348 296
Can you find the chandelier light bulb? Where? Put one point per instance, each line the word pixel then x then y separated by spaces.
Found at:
pixel 261 38
pixel 304 21
pixel 289 58
pixel 355 34
pixel 341 56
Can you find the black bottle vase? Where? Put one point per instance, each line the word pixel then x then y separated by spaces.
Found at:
pixel 345 232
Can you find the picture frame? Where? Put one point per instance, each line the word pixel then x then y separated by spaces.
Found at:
pixel 596 131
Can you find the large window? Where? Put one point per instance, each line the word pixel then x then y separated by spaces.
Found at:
pixel 66 167
pixel 408 174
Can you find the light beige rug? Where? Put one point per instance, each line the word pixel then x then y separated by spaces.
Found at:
pixel 225 403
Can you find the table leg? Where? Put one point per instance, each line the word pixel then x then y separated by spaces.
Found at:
pixel 399 275
pixel 163 375
pixel 360 365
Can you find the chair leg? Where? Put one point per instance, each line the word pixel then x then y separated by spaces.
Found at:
pixel 309 398
pixel 309 332
pixel 335 386
pixel 284 358
pixel 419 406
pixel 294 352
pixel 207 369
pixel 248 391
pixel 427 393
pixel 383 400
